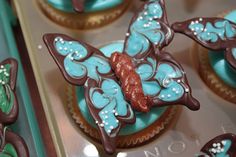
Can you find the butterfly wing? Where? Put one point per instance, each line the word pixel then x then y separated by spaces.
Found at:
pixel 86 66
pixel 223 145
pixel 165 82
pixel 8 101
pixel 148 30
pixel 213 33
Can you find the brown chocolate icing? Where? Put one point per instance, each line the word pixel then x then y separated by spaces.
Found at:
pixel 130 81
pixel 222 44
pixel 8 137
pixel 219 145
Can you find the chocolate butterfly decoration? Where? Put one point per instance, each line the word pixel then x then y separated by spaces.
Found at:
pixel 213 33
pixel 221 146
pixel 116 84
pixel 10 143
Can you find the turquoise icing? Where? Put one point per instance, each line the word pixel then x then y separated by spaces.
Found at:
pixel 220 65
pixel 112 103
pixel 90 5
pixel 76 68
pixel 143 120
pixel 212 32
pixel 145 30
pixel 165 76
pixel 226 148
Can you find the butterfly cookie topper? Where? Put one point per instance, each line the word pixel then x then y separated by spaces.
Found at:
pixel 140 77
pixel 10 143
pixel 221 146
pixel 216 34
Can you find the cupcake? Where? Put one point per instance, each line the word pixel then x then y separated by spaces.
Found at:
pixel 223 145
pixel 125 93
pixel 217 60
pixel 83 14
pixel 11 144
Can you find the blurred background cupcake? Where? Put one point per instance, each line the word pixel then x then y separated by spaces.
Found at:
pixel 83 14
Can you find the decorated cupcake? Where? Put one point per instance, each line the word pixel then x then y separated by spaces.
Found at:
pixel 11 144
pixel 83 14
pixel 125 93
pixel 221 146
pixel 217 65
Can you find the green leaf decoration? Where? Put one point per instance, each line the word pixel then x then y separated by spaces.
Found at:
pixel 9 151
pixel 6 94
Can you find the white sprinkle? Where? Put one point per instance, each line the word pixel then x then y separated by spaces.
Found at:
pixel 40 47
pixel 202 29
pixel 60 48
pixel 101 125
pixel 214 144
pixel 205 29
pixel 192 23
pixel 196 21
pixel 70 42
pixel 177 92
pixel 116 114
pixel 168 95
pixel 106 111
pixel 102 112
pixel 109 131
pixel 200 19
pixel 117 121
pixel 218 144
pixel 3 82
pixel 214 151
pixel 106 117
pixel 61 39
pixel 65 48
pixel 150 19
pixel 178 81
pixel 155 17
pixel 224 142
pixel 127 34
pixel 111 127
pixel 62 42
pixel 222 150
pixel 113 111
pixel 195 33
pixel 71 50
pixel 106 123
pixel 192 29
pixel 96 122
pixel 56 39
pixel 173 89
pixel 163 96
pixel 103 121
pixel 145 13
pixel 186 90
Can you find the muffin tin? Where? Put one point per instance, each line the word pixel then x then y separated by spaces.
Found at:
pixel 192 129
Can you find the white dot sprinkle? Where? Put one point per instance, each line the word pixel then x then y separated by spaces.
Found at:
pixel 187 90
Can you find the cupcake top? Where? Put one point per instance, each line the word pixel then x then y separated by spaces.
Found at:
pixel 221 146
pixel 116 84
pixel 219 36
pixel 84 5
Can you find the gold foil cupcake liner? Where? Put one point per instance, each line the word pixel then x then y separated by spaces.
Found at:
pixel 137 139
pixel 83 20
pixel 210 78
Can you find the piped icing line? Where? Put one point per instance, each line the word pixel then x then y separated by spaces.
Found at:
pixel 213 33
pixel 12 144
pixel 8 101
pixel 221 146
pixel 78 5
pixel 148 30
pixel 86 66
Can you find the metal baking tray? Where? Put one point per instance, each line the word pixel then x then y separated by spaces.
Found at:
pixel 192 130
pixel 26 125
